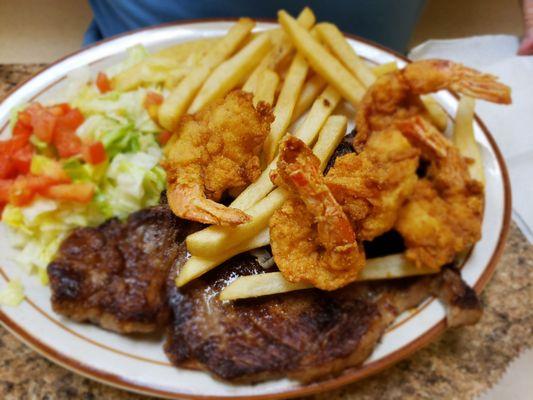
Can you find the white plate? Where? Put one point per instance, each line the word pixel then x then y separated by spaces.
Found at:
pixel 140 365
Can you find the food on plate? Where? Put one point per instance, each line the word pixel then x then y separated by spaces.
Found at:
pixel 312 239
pixel 212 151
pixel 229 241
pixel 463 137
pixel 305 335
pixel 319 239
pixel 443 216
pixel 265 90
pixel 373 185
pixel 280 51
pixel 179 99
pixel 114 275
pixel 395 96
pixel 230 73
pixel 322 61
pixel 270 283
pixel 288 96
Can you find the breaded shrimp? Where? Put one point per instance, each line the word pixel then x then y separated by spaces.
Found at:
pixel 444 215
pixel 312 239
pixel 395 96
pixel 373 185
pixel 213 151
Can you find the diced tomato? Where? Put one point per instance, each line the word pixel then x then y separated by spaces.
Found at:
pixel 102 82
pixel 59 109
pixel 22 159
pixel 42 121
pixel 78 192
pixel 12 156
pixel 65 139
pixel 26 187
pixel 24 118
pixel 152 98
pixel 163 137
pixel 7 168
pixel 94 153
pixel 5 186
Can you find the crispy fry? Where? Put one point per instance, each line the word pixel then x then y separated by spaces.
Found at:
pixel 215 239
pixel 388 267
pixel 312 88
pixel 287 99
pixel 197 266
pixel 383 69
pixel 436 113
pixel 230 73
pixel 172 63
pixel 464 139
pixel 266 87
pixel 178 100
pixel 339 46
pixel 322 61
pixel 281 49
pixel 330 137
pixel 315 119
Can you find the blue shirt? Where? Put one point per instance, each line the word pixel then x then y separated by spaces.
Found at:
pixel 389 22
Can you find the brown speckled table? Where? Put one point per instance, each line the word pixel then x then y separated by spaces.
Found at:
pixel 460 365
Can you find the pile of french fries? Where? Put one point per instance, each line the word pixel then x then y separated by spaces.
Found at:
pixel 300 69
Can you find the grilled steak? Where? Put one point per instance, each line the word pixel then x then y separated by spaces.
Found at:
pixel 114 275
pixel 304 335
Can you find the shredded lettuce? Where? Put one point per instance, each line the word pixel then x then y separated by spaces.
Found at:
pixel 134 56
pixel 12 294
pixel 130 179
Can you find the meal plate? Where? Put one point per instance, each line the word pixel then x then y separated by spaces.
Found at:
pixel 138 363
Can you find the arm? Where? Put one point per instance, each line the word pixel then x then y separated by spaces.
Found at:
pixel 526 47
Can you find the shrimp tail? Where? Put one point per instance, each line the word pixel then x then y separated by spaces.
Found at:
pixel 189 202
pixel 428 76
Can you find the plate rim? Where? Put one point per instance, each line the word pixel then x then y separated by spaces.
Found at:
pixel 332 383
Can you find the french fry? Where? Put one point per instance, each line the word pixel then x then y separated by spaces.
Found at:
pixel 339 46
pixel 197 266
pixel 265 89
pixel 309 93
pixel 214 239
pixel 176 103
pixel 287 99
pixel 281 48
pixel 231 72
pixel 173 62
pixel 307 132
pixel 388 267
pixel 436 112
pixel 463 137
pixel 330 137
pixel 386 68
pixel 322 61
pixel 269 283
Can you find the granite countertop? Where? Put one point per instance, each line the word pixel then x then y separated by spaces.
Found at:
pixel 461 364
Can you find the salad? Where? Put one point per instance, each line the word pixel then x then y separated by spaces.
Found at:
pixel 79 163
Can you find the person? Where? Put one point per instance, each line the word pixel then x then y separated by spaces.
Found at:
pixel 387 22
pixel 526 46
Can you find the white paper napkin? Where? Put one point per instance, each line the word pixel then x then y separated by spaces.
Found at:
pixel 512 126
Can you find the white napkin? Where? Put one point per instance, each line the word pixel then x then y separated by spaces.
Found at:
pixel 512 126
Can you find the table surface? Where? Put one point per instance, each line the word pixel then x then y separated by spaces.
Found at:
pixel 464 362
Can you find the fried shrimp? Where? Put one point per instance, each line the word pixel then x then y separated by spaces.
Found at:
pixel 312 239
pixel 373 185
pixel 214 151
pixel 444 214
pixel 395 96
